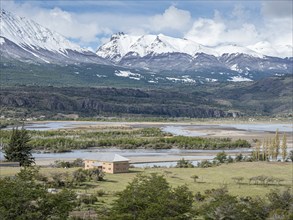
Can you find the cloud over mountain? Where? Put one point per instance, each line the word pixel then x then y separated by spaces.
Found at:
pixel 91 23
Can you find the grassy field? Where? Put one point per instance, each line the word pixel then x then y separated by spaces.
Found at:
pixel 209 178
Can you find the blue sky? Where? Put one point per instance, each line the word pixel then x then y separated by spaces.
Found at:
pixel 91 23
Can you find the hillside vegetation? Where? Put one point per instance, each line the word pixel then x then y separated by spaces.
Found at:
pixel 266 97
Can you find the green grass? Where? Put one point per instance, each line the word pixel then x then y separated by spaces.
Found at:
pixel 209 178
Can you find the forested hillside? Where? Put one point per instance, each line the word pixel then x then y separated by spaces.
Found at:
pixel 266 97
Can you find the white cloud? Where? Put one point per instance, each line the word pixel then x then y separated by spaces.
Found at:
pixel 244 35
pixel 69 25
pixel 273 27
pixel 173 18
pixel 206 31
pixel 278 24
pixel 211 32
pixel 88 27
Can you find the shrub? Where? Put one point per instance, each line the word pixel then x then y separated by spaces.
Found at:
pixel 184 164
pixel 205 164
pixel 100 192
pixel 221 157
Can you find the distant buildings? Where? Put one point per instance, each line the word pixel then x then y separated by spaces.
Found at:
pixel 111 164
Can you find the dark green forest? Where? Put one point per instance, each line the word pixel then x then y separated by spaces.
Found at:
pixel 267 97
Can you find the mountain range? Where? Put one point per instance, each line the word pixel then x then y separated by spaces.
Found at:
pixel 151 59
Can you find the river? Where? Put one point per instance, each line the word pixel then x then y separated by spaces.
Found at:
pixel 150 157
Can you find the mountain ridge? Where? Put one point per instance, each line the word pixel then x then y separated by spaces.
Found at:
pixel 153 59
pixel 21 38
pixel 121 44
pixel 164 53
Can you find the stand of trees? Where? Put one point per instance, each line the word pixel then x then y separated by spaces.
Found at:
pixel 271 149
pixel 151 197
pixel 22 197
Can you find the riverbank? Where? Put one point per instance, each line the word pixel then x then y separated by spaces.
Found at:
pixel 40 161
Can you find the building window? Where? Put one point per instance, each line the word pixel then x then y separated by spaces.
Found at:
pixel 109 168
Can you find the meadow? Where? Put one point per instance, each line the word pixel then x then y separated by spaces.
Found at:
pixel 209 178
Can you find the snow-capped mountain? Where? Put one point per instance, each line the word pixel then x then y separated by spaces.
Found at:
pixel 121 45
pixel 160 52
pixel 25 39
pixel 152 59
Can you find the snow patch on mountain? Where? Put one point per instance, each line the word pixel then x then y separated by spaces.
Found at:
pixel 184 79
pixel 128 74
pixel 101 76
pixel 236 68
pixel 236 49
pixel 2 40
pixel 211 80
pixel 239 79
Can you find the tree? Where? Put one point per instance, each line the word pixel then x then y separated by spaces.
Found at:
pixel 239 157
pixel 96 174
pixel 238 179
pixel 18 148
pixel 22 197
pixel 221 157
pixel 276 144
pixel 265 150
pixel 219 204
pixel 256 153
pixel 284 147
pixel 194 177
pixel 270 149
pixel 79 176
pixel 182 163
pixel 151 197
pixel 281 201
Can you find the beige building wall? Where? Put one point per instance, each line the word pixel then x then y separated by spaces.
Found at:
pixel 115 167
pixel 88 164
pixel 108 167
